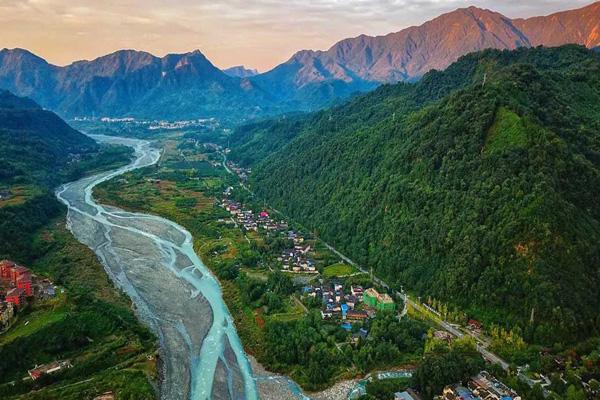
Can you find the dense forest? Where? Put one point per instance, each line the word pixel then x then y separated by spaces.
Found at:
pixel 478 185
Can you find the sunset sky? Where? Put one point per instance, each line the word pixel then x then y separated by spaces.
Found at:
pixel 259 34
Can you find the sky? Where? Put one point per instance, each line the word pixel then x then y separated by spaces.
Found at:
pixel 256 33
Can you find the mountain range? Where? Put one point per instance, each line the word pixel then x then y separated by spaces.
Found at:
pixel 130 82
pixel 135 83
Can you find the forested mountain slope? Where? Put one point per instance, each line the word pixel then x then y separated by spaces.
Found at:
pixel 479 186
pixel 35 143
pixel 38 151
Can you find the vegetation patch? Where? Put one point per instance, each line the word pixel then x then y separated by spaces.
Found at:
pixel 507 132
pixel 339 269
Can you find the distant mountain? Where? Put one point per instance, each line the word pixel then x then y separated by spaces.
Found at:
pixel 135 83
pixel 364 62
pixel 35 142
pixel 240 72
pixel 477 186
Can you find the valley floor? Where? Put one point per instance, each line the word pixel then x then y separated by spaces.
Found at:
pixel 173 192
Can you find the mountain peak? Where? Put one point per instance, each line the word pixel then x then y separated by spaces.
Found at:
pixel 239 71
pixel 18 55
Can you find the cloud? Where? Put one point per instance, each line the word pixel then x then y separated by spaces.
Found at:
pixel 257 33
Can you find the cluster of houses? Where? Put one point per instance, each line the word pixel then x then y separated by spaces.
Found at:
pixel 15 281
pixel 484 386
pixel 298 258
pixel 210 123
pixel 242 173
pixel 295 259
pixel 16 285
pixel 339 304
pixel 247 219
pixel 192 123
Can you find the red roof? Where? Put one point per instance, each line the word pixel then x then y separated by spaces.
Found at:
pixel 474 323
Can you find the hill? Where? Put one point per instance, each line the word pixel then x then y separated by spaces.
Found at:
pixel 36 143
pixel 477 186
pixel 39 151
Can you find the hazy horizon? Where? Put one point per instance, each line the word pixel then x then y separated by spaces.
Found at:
pixel 259 34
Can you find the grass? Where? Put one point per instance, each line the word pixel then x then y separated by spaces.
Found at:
pixel 339 270
pixel 19 195
pixel 507 132
pixel 28 324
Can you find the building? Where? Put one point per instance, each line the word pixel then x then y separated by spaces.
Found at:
pixel 15 296
pixel 16 275
pixel 354 315
pixel 481 387
pixel 487 387
pixel 408 394
pixel 357 291
pixel 457 392
pixel 381 302
pixel 51 368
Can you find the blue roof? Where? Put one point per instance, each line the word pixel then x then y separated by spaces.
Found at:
pixel 465 393
pixel 347 326
pixel 403 396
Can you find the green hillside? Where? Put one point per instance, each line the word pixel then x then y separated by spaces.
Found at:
pixel 38 151
pixel 479 185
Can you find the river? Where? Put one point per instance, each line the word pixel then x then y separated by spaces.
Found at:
pixel 152 259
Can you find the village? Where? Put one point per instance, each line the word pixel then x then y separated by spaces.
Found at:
pixel 19 288
pixel 483 386
pixel 295 259
pixel 351 306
